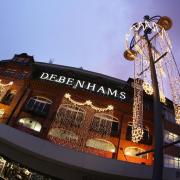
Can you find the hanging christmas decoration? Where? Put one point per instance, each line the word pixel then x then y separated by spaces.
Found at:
pixel 164 61
pixel 79 124
pixel 89 103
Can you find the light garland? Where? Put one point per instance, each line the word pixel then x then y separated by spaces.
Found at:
pixel 161 44
pixel 137 125
pixel 89 103
pixel 149 90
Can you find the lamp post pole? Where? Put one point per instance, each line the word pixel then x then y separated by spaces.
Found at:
pixel 141 31
pixel 158 130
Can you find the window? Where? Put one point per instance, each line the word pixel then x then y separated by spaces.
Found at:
pixel 3 90
pixel 171 161
pixel 8 97
pixel 147 138
pixel 170 137
pixel 2 165
pixel 101 144
pixel 169 115
pixel 38 105
pixel 132 151
pixel 63 134
pixel 147 106
pixel 70 115
pixel 30 123
pixel 1 113
pixel 105 124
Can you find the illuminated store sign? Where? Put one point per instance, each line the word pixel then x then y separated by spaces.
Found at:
pixel 76 83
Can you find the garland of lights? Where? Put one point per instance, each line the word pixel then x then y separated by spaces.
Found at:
pixel 149 90
pixel 73 126
pixel 163 58
pixel 89 103
pixel 137 125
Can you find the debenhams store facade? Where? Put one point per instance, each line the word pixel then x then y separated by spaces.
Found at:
pixel 59 122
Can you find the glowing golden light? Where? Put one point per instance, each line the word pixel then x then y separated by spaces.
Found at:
pixel 89 103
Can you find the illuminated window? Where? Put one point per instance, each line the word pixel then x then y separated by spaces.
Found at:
pixel 170 137
pixel 132 151
pixel 101 144
pixel 2 165
pixel 30 123
pixel 38 105
pixel 105 124
pixel 147 138
pixel 63 134
pixel 70 115
pixel 1 113
pixel 171 161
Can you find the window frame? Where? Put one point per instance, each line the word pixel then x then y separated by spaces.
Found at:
pixel 140 156
pixel 26 125
pixel 113 148
pixel 72 108
pixel 34 104
pixel 109 119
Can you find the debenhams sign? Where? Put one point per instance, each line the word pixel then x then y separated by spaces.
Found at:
pixel 76 83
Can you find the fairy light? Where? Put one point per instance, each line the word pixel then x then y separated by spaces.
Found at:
pixel 172 72
pixel 142 63
pixel 89 103
pixel 161 43
pixel 137 126
pixel 147 88
pixel 75 124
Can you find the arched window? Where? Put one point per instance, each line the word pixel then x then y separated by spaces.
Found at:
pixel 38 105
pixel 1 113
pixel 30 123
pixel 147 138
pixel 132 151
pixel 101 144
pixel 70 115
pixel 63 134
pixel 105 124
pixel 2 165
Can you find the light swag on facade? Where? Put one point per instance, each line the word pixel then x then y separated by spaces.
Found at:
pixel 89 103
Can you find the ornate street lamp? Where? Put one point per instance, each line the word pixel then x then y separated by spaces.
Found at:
pixel 150 49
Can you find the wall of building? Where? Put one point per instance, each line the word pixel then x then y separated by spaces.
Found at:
pixel 28 87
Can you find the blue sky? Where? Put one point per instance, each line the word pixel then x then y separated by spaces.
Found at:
pixel 79 33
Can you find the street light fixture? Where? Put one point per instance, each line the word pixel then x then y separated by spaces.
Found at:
pixel 140 45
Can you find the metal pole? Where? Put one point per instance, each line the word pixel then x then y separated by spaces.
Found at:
pixel 158 131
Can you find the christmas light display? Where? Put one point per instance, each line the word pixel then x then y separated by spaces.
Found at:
pixel 89 103
pixel 138 50
pixel 81 126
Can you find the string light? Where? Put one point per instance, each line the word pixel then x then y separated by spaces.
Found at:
pixel 89 103
pixel 76 124
pixel 137 126
pixel 166 65
pixel 149 90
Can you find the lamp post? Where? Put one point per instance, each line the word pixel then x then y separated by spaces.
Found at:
pixel 130 54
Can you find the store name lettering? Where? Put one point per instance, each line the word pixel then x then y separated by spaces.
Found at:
pixel 76 83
